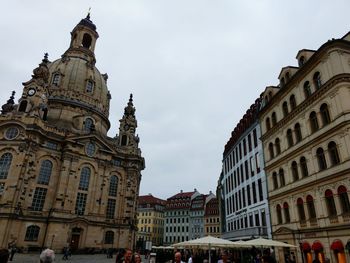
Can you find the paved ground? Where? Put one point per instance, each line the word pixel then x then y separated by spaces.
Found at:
pixel 34 258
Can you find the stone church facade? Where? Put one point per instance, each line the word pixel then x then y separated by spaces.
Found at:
pixel 63 180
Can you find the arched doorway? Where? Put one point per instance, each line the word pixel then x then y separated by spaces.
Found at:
pixel 317 247
pixel 338 249
pixel 75 238
pixel 306 248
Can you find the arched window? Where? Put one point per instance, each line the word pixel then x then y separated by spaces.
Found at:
pixel 271 150
pixel 113 185
pixel 286 212
pixel 344 199
pixel 292 102
pixel 89 86
pixel 301 61
pixel 109 237
pixel 268 124
pixel 88 124
pixel 32 233
pixel 313 122
pixel 5 163
pixel 326 119
pixel 274 119
pixel 279 214
pixel 295 171
pixel 332 210
pixel 297 131
pixel 278 146
pixel 301 211
pixel 56 79
pixel 321 159
pixel 274 180
pixel 45 172
pixel 281 175
pixel 290 138
pixel 23 106
pixel 86 41
pixel 124 140
pixel 84 178
pixel 333 153
pixel 287 76
pixel 307 89
pixel 285 108
pixel 311 207
pixel 303 167
pixel 282 82
pixel 317 80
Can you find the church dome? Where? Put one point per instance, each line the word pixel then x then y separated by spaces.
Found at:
pixel 77 89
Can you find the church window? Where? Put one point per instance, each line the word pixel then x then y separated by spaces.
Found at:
pixel 86 40
pixel 290 138
pixel 344 199
pixel 285 108
pixel 303 167
pixel 124 141
pixel 301 211
pixel 292 102
pixel 88 124
pixel 84 178
pixel 307 89
pixel 313 122
pixel 322 164
pixel 332 210
pixel 268 124
pixel 5 163
pixel 311 207
pixel 11 133
pixel 45 172
pixel 113 185
pixel 274 180
pixel 109 237
pixel 89 86
pixel 23 106
pixel 279 214
pixel 326 119
pixel 32 233
pixel 90 149
pixel 286 212
pixel 56 79
pixel 39 199
pixel 274 118
pixel 110 208
pixel 298 134
pixel 282 180
pixel 295 171
pixel 333 153
pixel 271 150
pixel 317 80
pixel 80 204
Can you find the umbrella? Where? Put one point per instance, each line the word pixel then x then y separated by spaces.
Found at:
pixel 262 242
pixel 207 242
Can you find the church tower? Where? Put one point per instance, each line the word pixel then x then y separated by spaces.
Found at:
pixel 63 180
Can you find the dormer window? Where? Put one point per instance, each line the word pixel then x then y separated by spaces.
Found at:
pixel 89 86
pixel 282 82
pixel 301 61
pixel 56 79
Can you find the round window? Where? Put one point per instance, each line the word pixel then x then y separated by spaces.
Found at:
pixel 90 149
pixel 11 133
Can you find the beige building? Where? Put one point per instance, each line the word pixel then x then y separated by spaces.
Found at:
pixel 63 181
pixel 212 218
pixel 305 124
pixel 150 220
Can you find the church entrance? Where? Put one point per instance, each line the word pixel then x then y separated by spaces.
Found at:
pixel 74 242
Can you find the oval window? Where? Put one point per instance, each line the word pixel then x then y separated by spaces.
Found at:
pixel 90 149
pixel 11 133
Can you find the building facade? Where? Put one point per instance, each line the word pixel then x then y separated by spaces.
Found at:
pixel 177 217
pixel 212 218
pixel 150 217
pixel 243 187
pixel 305 124
pixel 63 181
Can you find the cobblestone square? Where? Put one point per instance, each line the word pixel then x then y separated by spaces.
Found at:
pixel 34 258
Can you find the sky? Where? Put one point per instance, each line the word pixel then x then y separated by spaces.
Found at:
pixel 193 66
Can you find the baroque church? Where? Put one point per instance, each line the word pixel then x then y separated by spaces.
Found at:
pixel 63 180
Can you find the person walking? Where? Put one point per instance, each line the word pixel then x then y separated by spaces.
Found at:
pixel 13 252
pixel 47 256
pixel 177 257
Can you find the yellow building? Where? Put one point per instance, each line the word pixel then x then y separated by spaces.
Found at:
pixel 305 125
pixel 212 218
pixel 150 220
pixel 63 181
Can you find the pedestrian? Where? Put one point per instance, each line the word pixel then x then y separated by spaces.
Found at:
pixel 4 255
pixel 110 253
pixel 47 256
pixel 65 253
pixel 224 258
pixel 137 258
pixel 128 256
pixel 13 252
pixel 177 257
pixel 119 258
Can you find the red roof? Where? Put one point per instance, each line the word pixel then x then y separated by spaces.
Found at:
pixel 182 194
pixel 150 199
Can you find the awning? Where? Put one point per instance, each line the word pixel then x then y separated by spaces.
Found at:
pixel 337 245
pixel 317 246
pixel 305 246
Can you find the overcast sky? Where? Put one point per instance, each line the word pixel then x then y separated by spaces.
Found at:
pixel 194 67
